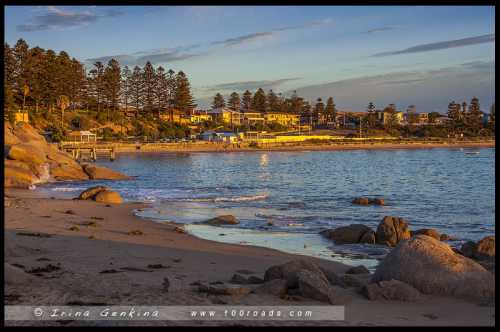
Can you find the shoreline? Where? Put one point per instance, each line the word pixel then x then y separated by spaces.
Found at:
pixel 219 147
pixel 84 256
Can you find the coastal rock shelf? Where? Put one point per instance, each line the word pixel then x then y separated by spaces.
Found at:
pixel 31 160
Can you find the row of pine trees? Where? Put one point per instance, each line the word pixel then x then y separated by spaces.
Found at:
pixel 38 78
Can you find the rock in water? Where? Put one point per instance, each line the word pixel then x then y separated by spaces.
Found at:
pixel 485 248
pixel 378 201
pixel 429 232
pixel 432 267
pixel 92 192
pixel 108 196
pixel 391 290
pixel 354 233
pixel 103 173
pixel 391 230
pixel 223 220
pixel 361 201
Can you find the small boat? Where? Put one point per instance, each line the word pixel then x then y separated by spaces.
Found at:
pixel 472 153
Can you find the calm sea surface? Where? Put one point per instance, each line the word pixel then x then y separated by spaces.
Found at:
pixel 301 193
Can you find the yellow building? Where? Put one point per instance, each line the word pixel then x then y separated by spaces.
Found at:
pixel 226 116
pixel 199 118
pixel 399 117
pixel 284 119
pixel 21 116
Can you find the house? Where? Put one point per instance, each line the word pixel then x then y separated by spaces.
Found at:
pixel 21 116
pixel 225 115
pixel 442 120
pixel 423 118
pixel 253 118
pixel 284 119
pixel 175 116
pixel 83 136
pixel 219 136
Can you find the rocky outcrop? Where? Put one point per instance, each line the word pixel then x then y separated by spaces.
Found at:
pixel 391 230
pixel 355 233
pixel 222 220
pixel 360 269
pixel 38 161
pixel 103 173
pixel 485 248
pixel 276 287
pixel 391 290
pixel 432 267
pixel 315 286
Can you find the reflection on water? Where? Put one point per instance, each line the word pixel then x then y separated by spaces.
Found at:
pixel 301 193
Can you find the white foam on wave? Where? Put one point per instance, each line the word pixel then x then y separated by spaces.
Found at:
pixel 66 189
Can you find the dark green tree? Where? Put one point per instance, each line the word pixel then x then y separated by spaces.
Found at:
pixel 246 102
pixel 184 101
pixel 234 102
pixel 218 101
pixel 259 101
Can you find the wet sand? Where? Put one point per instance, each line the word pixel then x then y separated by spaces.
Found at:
pixel 101 242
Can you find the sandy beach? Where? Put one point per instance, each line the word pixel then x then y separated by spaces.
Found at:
pixel 100 263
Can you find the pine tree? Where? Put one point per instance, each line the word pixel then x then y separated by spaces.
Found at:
pixel 331 110
pixel 234 102
pixel 296 103
pixel 148 80
pixel 172 87
pixel 246 102
pixel 136 88
pixel 184 101
pixel 9 80
pixel 259 101
pixel 125 86
pixel 491 119
pixel 474 117
pixel 97 79
pixel 218 101
pixel 319 110
pixel 161 90
pixel 272 101
pixel 112 87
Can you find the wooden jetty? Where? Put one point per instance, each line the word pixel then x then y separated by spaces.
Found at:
pixel 89 151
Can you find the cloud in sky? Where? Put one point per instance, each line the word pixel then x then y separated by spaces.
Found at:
pixel 257 35
pixel 489 38
pixel 166 55
pixel 431 90
pixel 250 85
pixel 56 18
pixel 381 29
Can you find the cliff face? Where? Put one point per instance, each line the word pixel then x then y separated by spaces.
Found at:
pixel 31 160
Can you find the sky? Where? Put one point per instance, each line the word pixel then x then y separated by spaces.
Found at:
pixel 421 55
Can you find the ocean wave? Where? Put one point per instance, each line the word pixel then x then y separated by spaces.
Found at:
pixel 225 199
pixel 67 189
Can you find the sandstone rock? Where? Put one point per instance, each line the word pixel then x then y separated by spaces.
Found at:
pixel 333 277
pixel 19 177
pixel 108 196
pixel 26 133
pixel 9 137
pixel 429 232
pixel 432 267
pixel 391 230
pixel 349 234
pixel 275 287
pixel 255 280
pixel 391 290
pixel 360 269
pixel 103 173
pixel 90 193
pixel 368 237
pixel 28 153
pixel 63 172
pixel 485 248
pixel 445 237
pixel 468 249
pixel 361 201
pixel 223 220
pixel 356 280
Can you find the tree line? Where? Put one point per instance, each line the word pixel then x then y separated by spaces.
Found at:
pixel 39 78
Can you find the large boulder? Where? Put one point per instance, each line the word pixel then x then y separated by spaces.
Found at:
pixel 355 233
pixel 16 276
pixel 315 286
pixel 390 290
pixel 91 192
pixel 19 175
pixel 9 137
pixel 391 230
pixel 432 267
pixel 485 248
pixel 29 153
pixel 429 232
pixel 223 220
pixel 289 270
pixel 103 173
pixel 26 133
pixel 275 287
pixel 108 196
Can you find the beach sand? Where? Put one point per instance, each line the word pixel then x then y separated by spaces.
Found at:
pixel 83 254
